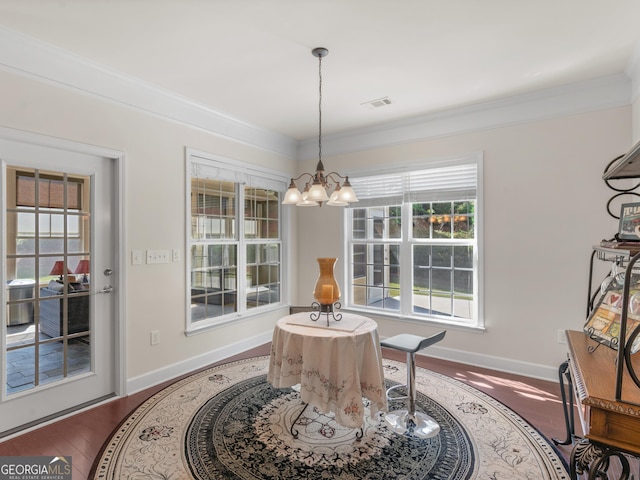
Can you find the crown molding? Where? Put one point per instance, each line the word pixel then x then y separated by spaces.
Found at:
pixel 580 97
pixel 33 58
pixel 44 62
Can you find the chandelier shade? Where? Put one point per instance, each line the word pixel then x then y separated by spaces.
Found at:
pixel 320 188
pixel 293 195
pixel 317 193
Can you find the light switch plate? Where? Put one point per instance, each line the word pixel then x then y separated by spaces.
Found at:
pixel 157 256
pixel 136 257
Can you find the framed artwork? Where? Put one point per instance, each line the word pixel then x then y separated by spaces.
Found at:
pixel 629 226
pixel 603 325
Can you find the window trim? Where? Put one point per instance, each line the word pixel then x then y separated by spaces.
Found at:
pixel 242 174
pixel 477 324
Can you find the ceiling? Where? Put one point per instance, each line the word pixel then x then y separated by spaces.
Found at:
pixel 251 59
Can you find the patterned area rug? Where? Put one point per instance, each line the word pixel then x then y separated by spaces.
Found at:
pixel 229 423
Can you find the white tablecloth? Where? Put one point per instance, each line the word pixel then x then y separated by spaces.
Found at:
pixel 335 366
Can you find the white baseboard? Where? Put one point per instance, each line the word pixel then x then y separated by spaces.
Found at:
pixel 500 364
pixel 142 382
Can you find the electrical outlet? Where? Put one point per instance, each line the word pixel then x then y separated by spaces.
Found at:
pixel 176 255
pixel 155 337
pixel 157 256
pixel 562 338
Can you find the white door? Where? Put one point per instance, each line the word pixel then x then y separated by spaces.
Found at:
pixel 58 326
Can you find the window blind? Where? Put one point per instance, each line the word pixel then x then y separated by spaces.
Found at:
pixel 449 183
pixel 51 191
pixel 237 175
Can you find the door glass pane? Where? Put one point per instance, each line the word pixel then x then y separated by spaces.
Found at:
pixel 51 362
pixel 75 241
pixel 48 277
pixel 21 370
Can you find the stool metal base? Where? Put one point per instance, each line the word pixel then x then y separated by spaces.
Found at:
pixel 417 424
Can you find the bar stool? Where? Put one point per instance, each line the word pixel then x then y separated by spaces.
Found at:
pixel 408 421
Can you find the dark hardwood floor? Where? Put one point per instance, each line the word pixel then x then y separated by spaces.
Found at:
pixel 81 436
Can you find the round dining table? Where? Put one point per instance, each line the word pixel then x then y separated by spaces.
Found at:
pixel 337 364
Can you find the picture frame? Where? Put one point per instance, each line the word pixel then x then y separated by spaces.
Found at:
pixel 603 324
pixel 629 225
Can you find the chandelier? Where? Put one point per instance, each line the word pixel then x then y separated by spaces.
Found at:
pixel 319 184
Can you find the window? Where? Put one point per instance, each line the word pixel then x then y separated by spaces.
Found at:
pixel 53 218
pixel 234 240
pixel 413 242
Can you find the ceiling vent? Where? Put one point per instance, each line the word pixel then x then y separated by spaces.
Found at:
pixel 378 102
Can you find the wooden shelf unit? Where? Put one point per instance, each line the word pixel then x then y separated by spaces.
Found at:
pixel 604 419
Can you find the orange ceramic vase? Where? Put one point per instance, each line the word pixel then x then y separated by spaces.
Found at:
pixel 327 291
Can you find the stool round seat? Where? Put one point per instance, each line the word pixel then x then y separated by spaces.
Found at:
pixel 407 342
pixel 408 421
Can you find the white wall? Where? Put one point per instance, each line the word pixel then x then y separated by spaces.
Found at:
pixel 545 206
pixel 635 107
pixel 155 215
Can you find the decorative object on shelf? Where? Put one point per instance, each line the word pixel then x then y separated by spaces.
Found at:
pixel 629 226
pixel 631 247
pixel 83 268
pixel 58 269
pixel 326 292
pixel 603 324
pixel 318 184
pixel 614 319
